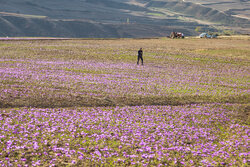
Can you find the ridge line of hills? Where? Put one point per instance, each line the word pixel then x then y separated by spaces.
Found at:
pixel 113 18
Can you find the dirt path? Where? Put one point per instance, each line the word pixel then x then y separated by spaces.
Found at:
pixel 35 38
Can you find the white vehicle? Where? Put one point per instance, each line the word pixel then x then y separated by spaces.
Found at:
pixel 206 35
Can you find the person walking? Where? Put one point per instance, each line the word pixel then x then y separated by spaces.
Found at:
pixel 140 53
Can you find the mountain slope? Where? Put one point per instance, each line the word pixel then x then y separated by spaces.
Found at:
pixel 110 18
pixel 238 8
pixel 199 12
pixel 13 26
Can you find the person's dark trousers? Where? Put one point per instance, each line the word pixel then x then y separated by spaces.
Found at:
pixel 139 57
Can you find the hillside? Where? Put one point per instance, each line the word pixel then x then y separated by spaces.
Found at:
pixel 237 8
pixel 115 18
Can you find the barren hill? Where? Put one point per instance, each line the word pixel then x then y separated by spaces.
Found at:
pixel 237 8
pixel 118 18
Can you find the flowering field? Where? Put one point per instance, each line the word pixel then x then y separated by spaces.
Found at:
pixel 104 72
pixel 86 102
pixel 192 135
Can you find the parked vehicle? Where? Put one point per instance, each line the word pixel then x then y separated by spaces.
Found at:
pixel 206 35
pixel 176 35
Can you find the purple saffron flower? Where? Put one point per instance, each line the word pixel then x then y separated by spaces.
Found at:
pixel 35 146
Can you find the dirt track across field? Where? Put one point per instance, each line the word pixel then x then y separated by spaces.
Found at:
pixel 35 38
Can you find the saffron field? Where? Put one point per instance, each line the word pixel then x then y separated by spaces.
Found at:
pixel 86 102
